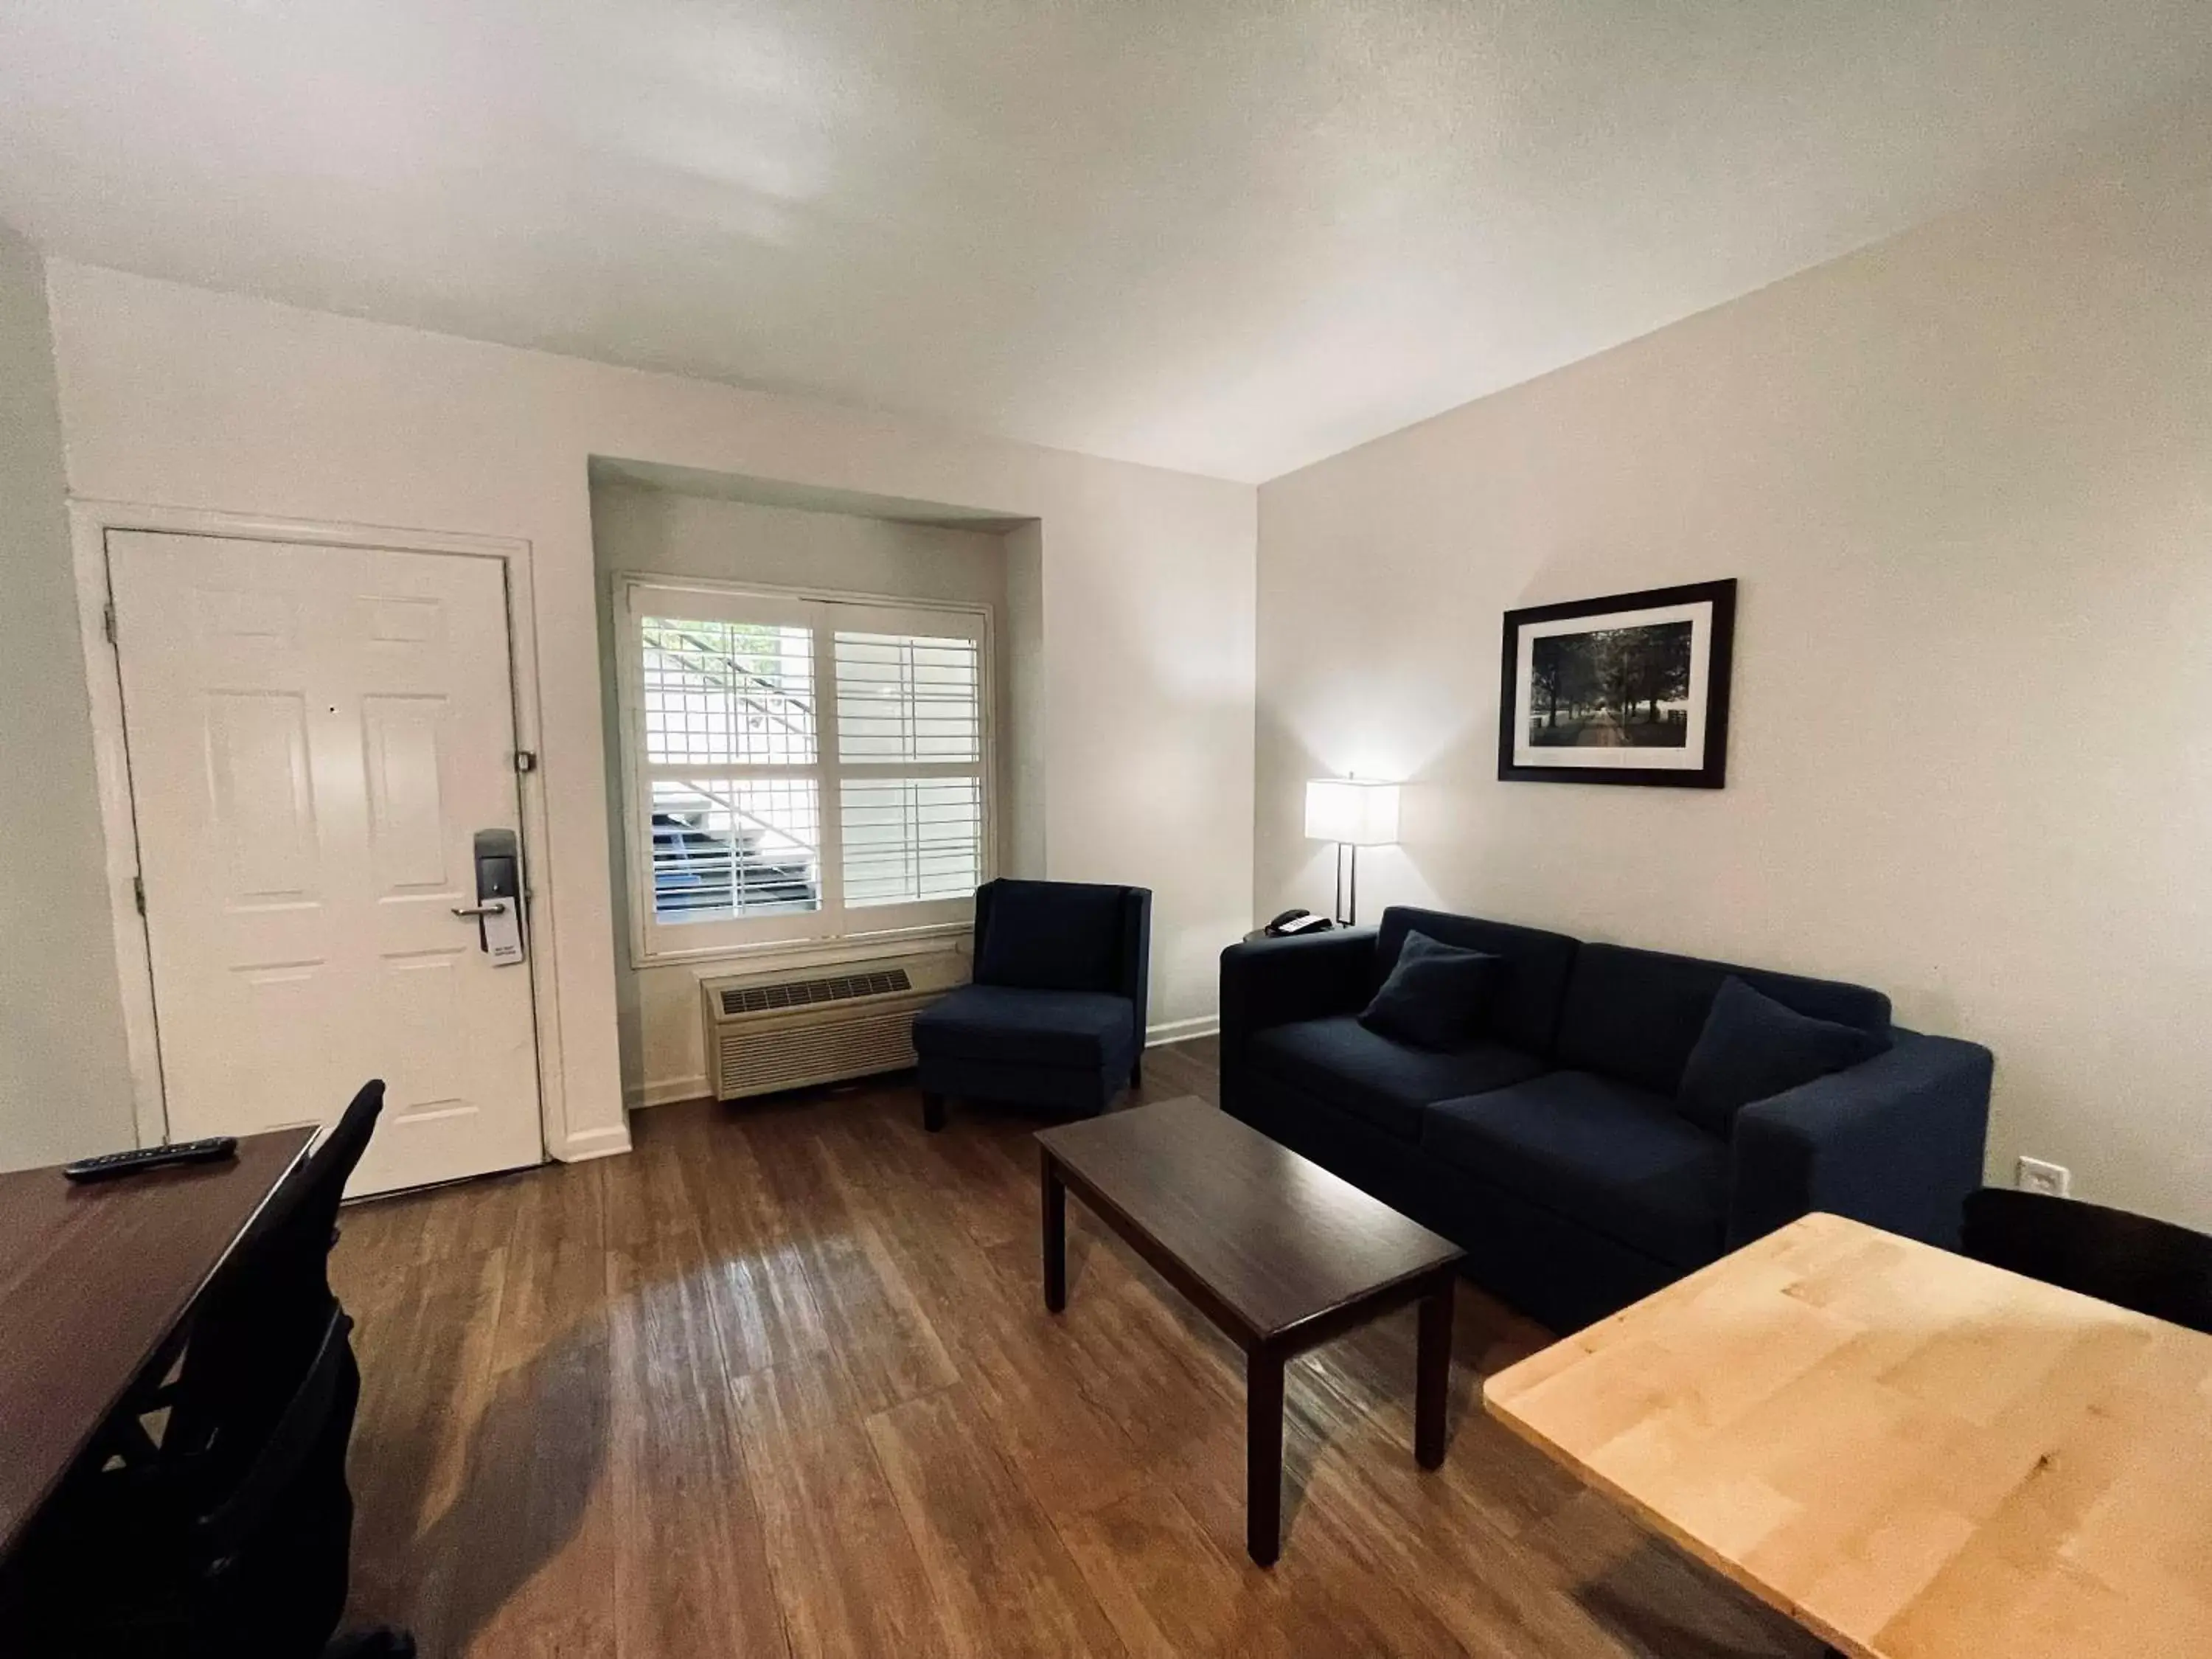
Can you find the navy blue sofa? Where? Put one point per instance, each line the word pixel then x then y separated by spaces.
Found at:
pixel 1550 1148
pixel 1055 1015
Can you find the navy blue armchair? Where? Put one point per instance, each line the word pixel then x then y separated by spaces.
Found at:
pixel 1552 1143
pixel 1055 1015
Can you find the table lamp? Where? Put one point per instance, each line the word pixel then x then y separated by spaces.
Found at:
pixel 1353 812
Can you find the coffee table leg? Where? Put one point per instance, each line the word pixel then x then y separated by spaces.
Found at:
pixel 1263 1455
pixel 1055 1237
pixel 1433 1387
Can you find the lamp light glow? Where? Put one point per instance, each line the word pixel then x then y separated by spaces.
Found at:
pixel 1353 812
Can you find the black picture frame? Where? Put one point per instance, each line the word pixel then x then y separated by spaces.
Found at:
pixel 1707 718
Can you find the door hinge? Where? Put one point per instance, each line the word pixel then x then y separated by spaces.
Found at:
pixel 525 760
pixel 138 892
pixel 108 620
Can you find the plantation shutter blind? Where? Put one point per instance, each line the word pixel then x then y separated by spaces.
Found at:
pixel 801 768
pixel 910 750
pixel 731 752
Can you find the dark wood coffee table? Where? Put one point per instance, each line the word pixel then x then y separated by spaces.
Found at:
pixel 1276 1251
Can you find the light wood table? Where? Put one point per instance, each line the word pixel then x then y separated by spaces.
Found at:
pixel 1915 1455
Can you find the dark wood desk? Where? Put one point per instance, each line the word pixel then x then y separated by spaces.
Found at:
pixel 94 1281
pixel 1277 1253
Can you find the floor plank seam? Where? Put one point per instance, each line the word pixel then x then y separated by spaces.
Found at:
pixel 1021 1483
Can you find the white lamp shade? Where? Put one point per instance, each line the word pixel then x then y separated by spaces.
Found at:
pixel 1355 811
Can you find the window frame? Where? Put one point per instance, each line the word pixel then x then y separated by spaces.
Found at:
pixel 825 613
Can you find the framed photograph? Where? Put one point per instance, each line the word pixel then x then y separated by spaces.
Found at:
pixel 1632 688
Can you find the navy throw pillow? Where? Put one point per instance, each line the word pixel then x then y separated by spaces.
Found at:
pixel 1052 936
pixel 1752 1048
pixel 1438 996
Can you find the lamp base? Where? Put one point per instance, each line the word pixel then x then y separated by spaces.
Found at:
pixel 1348 917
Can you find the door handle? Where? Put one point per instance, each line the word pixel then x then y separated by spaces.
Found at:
pixel 498 911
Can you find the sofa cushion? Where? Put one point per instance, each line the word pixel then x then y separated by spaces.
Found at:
pixel 1618 1159
pixel 1752 1048
pixel 1525 1011
pixel 1635 1015
pixel 1052 936
pixel 1086 1029
pixel 1436 997
pixel 1340 1062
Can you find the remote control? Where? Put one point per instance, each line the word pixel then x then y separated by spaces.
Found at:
pixel 108 1165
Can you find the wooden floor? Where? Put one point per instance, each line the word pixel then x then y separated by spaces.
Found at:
pixel 780 1382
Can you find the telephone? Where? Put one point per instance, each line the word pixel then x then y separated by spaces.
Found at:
pixel 1292 923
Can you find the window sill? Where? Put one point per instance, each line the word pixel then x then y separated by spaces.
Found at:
pixel 799 952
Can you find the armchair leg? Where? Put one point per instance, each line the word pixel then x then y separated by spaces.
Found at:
pixel 933 1111
pixel 1137 1071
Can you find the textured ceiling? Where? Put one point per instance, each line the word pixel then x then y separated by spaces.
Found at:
pixel 1231 237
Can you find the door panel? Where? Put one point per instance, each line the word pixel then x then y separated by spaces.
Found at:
pixel 315 735
pixel 404 741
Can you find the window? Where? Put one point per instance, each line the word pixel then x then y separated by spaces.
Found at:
pixel 801 768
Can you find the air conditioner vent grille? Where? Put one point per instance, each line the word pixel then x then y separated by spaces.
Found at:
pixel 811 993
pixel 791 1028
pixel 857 1044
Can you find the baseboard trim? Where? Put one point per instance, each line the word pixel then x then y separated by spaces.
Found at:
pixel 1182 1031
pixel 666 1091
pixel 593 1143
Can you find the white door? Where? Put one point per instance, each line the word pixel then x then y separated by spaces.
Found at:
pixel 315 735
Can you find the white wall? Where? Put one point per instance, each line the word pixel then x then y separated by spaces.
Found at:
pixel 64 1089
pixel 1965 480
pixel 662 533
pixel 179 396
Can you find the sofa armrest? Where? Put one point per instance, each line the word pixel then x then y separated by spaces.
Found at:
pixel 1274 981
pixel 1277 982
pixel 1896 1142
pixel 1281 981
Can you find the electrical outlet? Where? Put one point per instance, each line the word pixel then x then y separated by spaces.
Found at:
pixel 2032 1175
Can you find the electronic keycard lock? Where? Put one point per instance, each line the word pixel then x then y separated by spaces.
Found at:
pixel 498 908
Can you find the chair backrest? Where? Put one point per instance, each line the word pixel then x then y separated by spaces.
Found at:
pixel 1064 936
pixel 2151 1266
pixel 261 1323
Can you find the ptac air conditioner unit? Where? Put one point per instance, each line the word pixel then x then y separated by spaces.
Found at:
pixel 786 1028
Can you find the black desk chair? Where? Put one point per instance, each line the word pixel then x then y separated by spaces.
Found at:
pixel 2151 1267
pixel 231 1533
pixel 1055 1017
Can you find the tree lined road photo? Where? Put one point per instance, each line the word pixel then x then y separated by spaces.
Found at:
pixel 1611 688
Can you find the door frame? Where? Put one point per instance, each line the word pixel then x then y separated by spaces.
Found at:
pixel 90 524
